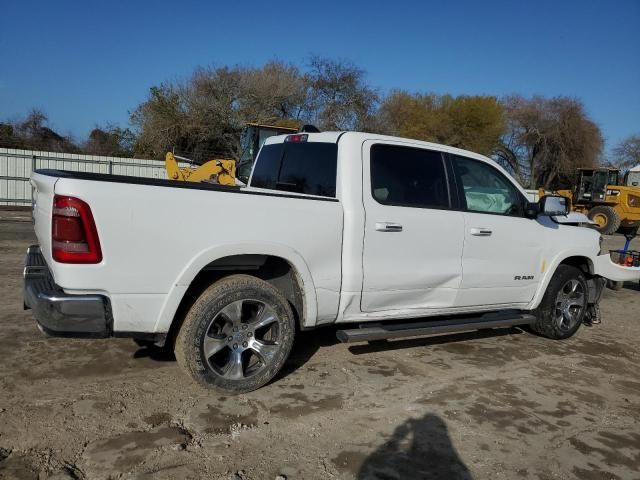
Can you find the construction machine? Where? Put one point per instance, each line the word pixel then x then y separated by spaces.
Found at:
pixel 632 178
pixel 225 171
pixel 222 172
pixel 600 194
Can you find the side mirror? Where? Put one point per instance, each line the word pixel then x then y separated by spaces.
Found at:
pixel 552 205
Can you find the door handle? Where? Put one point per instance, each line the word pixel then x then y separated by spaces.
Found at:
pixel 481 232
pixel 388 227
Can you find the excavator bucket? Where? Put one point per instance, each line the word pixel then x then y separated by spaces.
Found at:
pixel 222 172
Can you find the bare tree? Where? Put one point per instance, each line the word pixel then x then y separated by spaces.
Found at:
pixel 341 98
pixel 204 115
pixel 547 140
pixel 627 153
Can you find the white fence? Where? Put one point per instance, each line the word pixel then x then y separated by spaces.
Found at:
pixel 16 167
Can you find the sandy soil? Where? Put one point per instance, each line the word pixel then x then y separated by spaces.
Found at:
pixel 488 405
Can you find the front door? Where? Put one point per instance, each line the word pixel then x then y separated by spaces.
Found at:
pixel 502 259
pixel 412 240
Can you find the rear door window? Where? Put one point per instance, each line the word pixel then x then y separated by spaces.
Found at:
pixel 408 177
pixel 298 167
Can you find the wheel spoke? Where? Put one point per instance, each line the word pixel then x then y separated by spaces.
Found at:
pixel 233 312
pixel 212 345
pixel 573 289
pixel 575 303
pixel 265 351
pixel 234 369
pixel 569 319
pixel 570 302
pixel 266 317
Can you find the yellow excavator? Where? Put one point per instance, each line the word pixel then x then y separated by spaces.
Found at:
pixel 225 171
pixel 222 172
pixel 600 194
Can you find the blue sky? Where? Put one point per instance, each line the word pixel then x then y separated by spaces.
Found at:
pixel 87 63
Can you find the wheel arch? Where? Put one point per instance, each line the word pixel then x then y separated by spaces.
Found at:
pixel 578 260
pixel 280 266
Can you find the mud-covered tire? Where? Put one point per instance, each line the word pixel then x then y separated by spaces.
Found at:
pixel 608 221
pixel 222 343
pixel 557 317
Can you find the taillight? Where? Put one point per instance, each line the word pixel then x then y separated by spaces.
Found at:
pixel 74 238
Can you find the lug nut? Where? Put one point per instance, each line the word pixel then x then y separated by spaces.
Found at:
pixel 248 334
pixel 244 327
pixel 230 339
pixel 244 344
pixel 235 346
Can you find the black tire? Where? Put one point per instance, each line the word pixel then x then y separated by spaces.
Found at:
pixel 242 355
pixel 610 217
pixel 561 312
pixel 613 285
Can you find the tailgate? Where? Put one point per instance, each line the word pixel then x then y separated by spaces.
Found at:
pixel 43 186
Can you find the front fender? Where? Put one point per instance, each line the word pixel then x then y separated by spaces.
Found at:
pixel 551 269
pixel 204 258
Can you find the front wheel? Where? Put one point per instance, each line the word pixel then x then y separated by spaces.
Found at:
pixel 237 335
pixel 564 304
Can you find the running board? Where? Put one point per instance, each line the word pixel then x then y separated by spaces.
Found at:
pixel 378 331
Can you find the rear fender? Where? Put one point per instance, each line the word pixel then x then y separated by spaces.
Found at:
pixel 204 258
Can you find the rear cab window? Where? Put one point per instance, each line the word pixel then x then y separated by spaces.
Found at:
pixel 308 168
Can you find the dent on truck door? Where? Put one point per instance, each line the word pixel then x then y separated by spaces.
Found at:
pixel 412 241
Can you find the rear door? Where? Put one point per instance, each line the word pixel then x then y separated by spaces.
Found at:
pixel 412 240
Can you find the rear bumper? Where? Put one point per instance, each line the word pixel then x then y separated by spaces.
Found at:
pixel 59 313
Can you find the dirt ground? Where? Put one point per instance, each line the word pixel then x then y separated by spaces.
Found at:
pixel 487 405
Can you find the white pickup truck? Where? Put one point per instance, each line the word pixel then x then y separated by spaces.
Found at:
pixel 387 237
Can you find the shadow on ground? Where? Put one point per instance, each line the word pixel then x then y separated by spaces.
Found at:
pixel 419 448
pixel 384 345
pixel 308 343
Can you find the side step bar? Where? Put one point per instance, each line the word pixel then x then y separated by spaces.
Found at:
pixel 378 331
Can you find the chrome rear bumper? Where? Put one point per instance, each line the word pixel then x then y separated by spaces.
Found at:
pixel 59 313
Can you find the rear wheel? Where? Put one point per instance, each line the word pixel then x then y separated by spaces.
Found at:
pixel 606 218
pixel 237 335
pixel 564 304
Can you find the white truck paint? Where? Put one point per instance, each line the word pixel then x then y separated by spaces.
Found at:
pixel 156 238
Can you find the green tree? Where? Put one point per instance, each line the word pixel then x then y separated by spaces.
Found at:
pixel 33 132
pixel 471 122
pixel 110 140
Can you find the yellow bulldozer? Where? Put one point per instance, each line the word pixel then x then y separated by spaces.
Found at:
pixel 601 194
pixel 225 171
